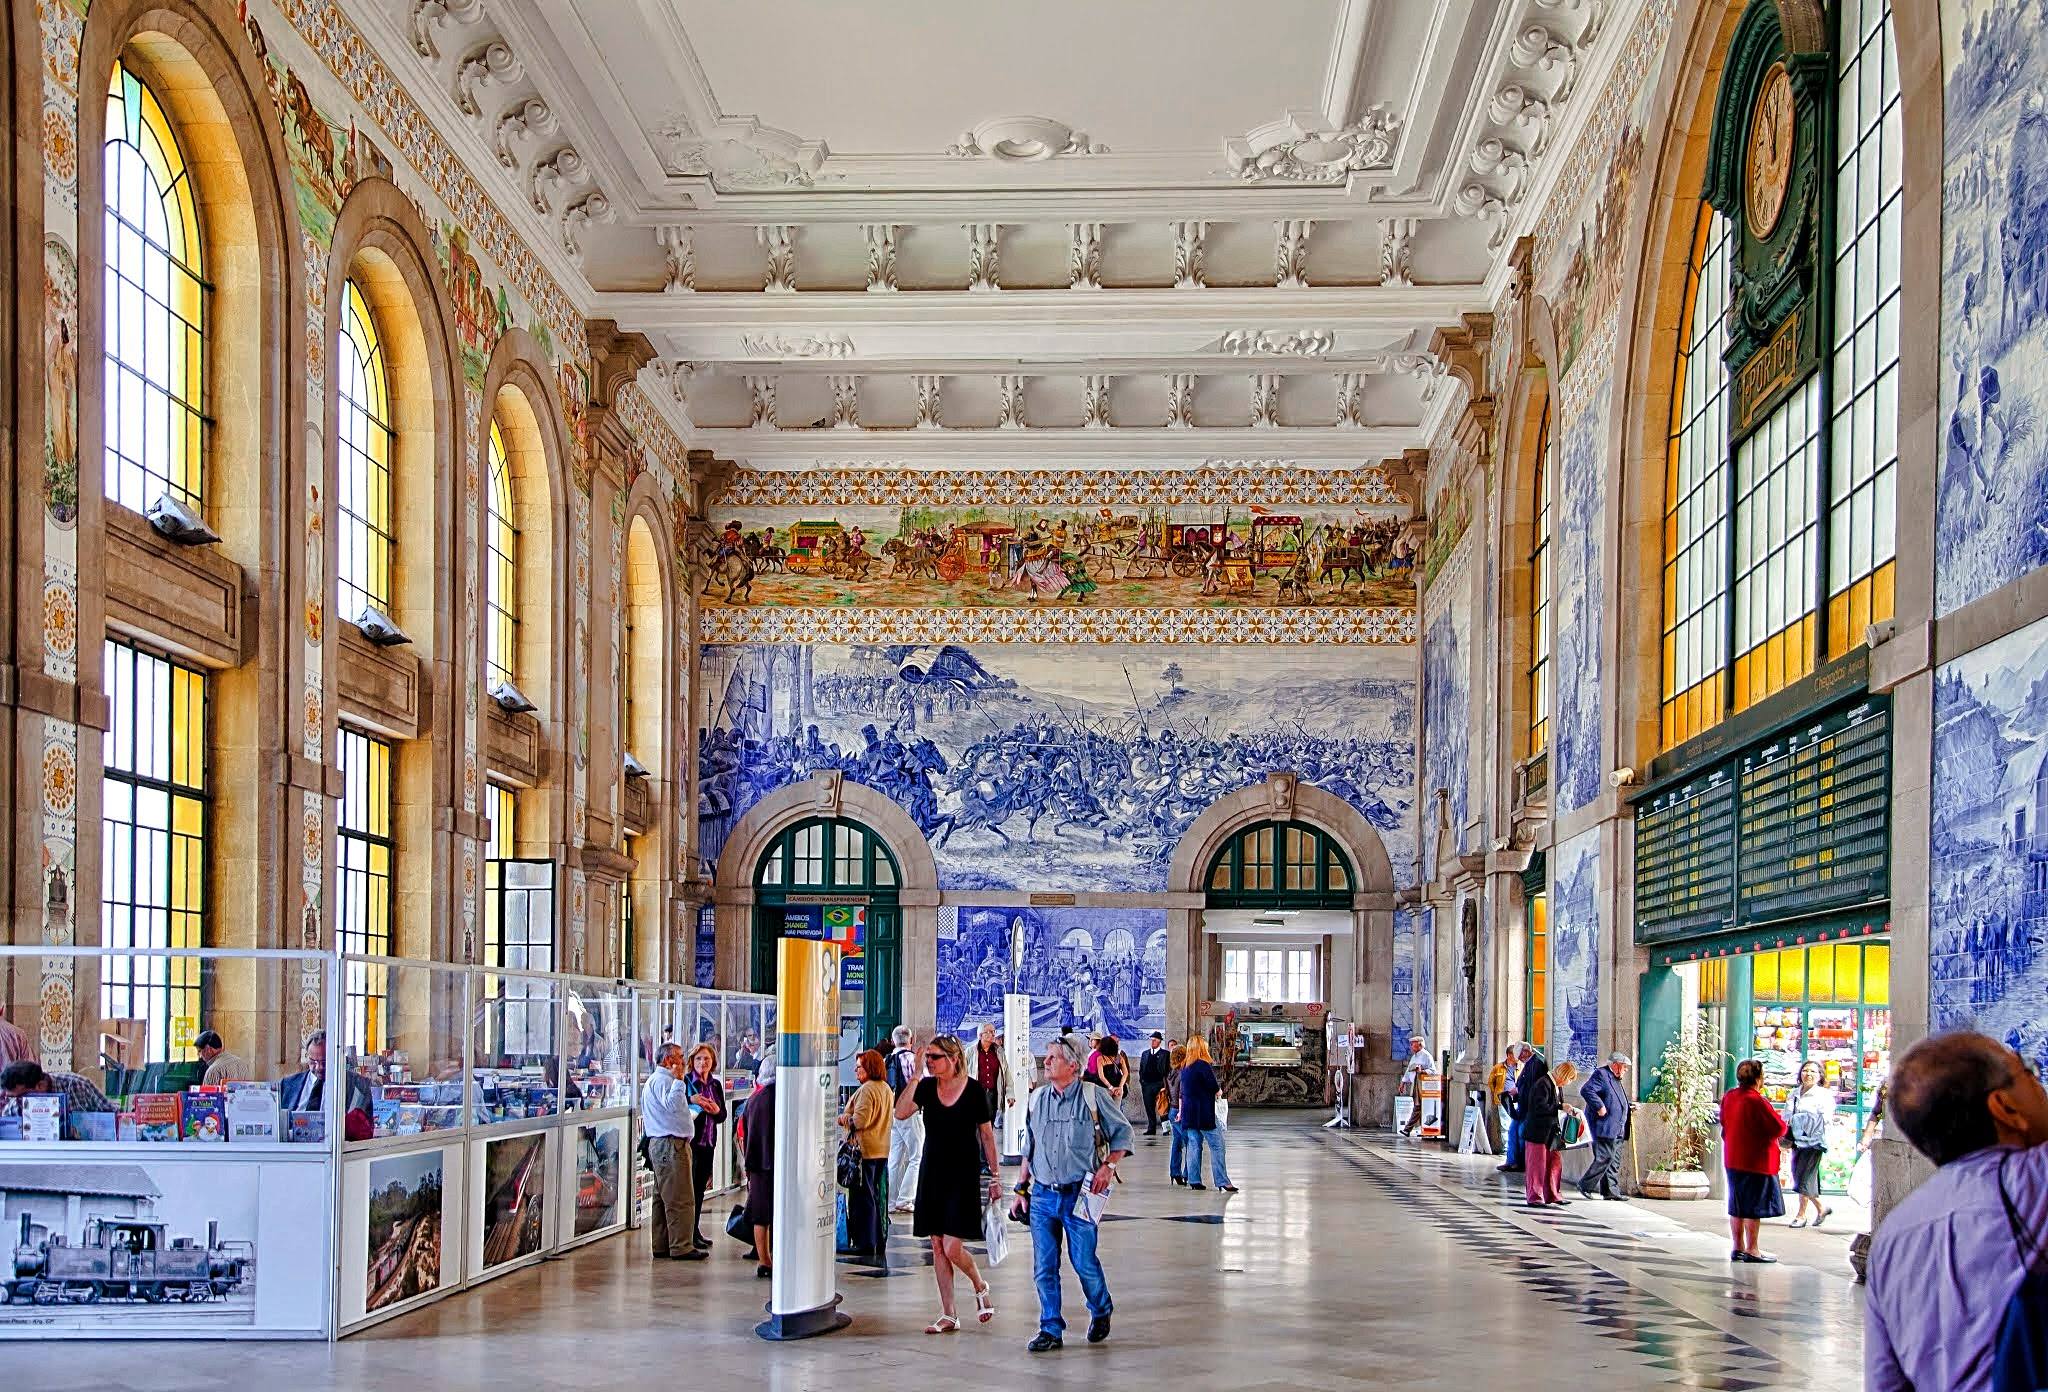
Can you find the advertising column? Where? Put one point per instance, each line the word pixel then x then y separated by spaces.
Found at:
pixel 802 1300
pixel 1017 1056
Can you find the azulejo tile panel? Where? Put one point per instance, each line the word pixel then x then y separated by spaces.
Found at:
pixel 1381 627
pixel 1098 971
pixel 1988 844
pixel 1575 937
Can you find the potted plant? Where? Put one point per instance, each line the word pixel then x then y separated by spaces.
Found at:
pixel 1687 1091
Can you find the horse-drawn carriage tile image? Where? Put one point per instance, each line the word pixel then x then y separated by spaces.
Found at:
pixel 128 1245
pixel 1094 971
pixel 1080 769
pixel 980 557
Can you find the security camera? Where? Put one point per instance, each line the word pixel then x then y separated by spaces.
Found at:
pixel 1623 778
pixel 379 629
pixel 510 698
pixel 178 524
pixel 634 768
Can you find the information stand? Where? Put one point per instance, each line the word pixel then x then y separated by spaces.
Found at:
pixel 1017 1057
pixel 802 1300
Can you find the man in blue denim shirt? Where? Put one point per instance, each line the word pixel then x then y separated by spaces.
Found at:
pixel 1059 1159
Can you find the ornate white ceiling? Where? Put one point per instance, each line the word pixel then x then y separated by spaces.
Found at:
pixel 955 229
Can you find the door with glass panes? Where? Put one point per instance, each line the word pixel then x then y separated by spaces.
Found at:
pixel 833 860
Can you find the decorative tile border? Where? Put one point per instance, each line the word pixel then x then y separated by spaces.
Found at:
pixel 1633 66
pixel 1387 627
pixel 1241 484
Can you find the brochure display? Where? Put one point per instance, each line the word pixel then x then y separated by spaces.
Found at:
pixel 173 1209
pixel 802 1299
pixel 350 1165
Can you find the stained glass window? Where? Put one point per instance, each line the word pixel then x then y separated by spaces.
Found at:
pixel 501 562
pixel 1696 496
pixel 1539 595
pixel 364 905
pixel 153 844
pixel 155 326
pixel 363 427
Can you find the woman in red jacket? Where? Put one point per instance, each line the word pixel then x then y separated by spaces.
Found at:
pixel 1750 1128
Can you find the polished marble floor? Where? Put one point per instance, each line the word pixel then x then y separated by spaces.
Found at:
pixel 1346 1262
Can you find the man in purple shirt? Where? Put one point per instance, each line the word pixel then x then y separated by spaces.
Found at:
pixel 1945 1263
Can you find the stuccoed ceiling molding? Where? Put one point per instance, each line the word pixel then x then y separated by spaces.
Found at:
pixel 773 345
pixel 1217 482
pixel 1302 147
pixel 739 152
pixel 1259 343
pixel 1023 139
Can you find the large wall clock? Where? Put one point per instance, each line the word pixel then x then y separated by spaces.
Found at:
pixel 1768 169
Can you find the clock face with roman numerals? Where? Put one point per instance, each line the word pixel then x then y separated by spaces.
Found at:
pixel 1768 169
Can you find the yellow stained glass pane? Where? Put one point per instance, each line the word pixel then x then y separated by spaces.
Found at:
pixel 1820 973
pixel 1763 981
pixel 1848 972
pixel 1792 974
pixel 1877 974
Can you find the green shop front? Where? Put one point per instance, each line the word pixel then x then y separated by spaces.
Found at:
pixel 1762 888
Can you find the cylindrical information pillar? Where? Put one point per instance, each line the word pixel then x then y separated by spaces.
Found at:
pixel 802 1297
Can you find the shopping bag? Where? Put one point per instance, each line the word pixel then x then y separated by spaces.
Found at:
pixel 1859 1180
pixel 1222 1114
pixel 995 1234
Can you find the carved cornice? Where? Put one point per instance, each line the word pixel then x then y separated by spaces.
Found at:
pixel 616 358
pixel 1463 351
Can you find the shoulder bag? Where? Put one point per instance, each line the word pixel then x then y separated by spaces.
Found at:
pixel 2020 1362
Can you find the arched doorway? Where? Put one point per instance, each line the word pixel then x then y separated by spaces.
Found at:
pixel 1277 942
pixel 836 862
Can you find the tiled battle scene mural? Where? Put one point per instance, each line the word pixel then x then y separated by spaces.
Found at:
pixel 1093 971
pixel 1580 605
pixel 1988 872
pixel 1993 502
pixel 1062 769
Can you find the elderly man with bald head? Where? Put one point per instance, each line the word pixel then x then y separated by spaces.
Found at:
pixel 1944 1266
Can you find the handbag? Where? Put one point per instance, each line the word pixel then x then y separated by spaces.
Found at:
pixel 849 1165
pixel 737 1227
pixel 995 1234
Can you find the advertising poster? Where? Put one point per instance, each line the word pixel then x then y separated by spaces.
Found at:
pixel 405 1229
pixel 598 1196
pixel 514 1197
pixel 802 1295
pixel 131 1247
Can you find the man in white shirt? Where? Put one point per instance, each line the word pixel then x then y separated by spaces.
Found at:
pixel 668 1124
pixel 1419 1066
pixel 906 1138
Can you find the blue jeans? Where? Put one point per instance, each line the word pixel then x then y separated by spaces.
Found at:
pixel 1218 1175
pixel 1052 1217
pixel 1514 1147
pixel 1174 1169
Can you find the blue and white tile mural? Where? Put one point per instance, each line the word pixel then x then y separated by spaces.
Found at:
pixel 1992 509
pixel 1988 844
pixel 1404 983
pixel 1058 768
pixel 1575 937
pixel 1425 981
pixel 1095 971
pixel 1446 713
pixel 1578 603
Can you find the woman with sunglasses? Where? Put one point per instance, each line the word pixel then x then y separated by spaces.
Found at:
pixel 958 1142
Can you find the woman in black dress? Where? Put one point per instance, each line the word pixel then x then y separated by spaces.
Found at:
pixel 958 1141
pixel 760 1122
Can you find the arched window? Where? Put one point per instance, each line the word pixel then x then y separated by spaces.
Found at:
pixel 363 426
pixel 1696 495
pixel 155 306
pixel 841 859
pixel 1539 595
pixel 1802 510
pixel 1289 864
pixel 501 563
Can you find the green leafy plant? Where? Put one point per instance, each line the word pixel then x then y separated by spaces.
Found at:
pixel 1688 1087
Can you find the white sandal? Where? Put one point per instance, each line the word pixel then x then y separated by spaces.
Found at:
pixel 944 1324
pixel 984 1307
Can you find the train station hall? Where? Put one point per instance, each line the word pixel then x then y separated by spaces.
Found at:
pixel 1074 694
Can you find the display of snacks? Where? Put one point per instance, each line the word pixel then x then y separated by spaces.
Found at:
pixel 1852 1045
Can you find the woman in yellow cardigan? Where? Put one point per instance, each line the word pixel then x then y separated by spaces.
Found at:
pixel 869 1114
